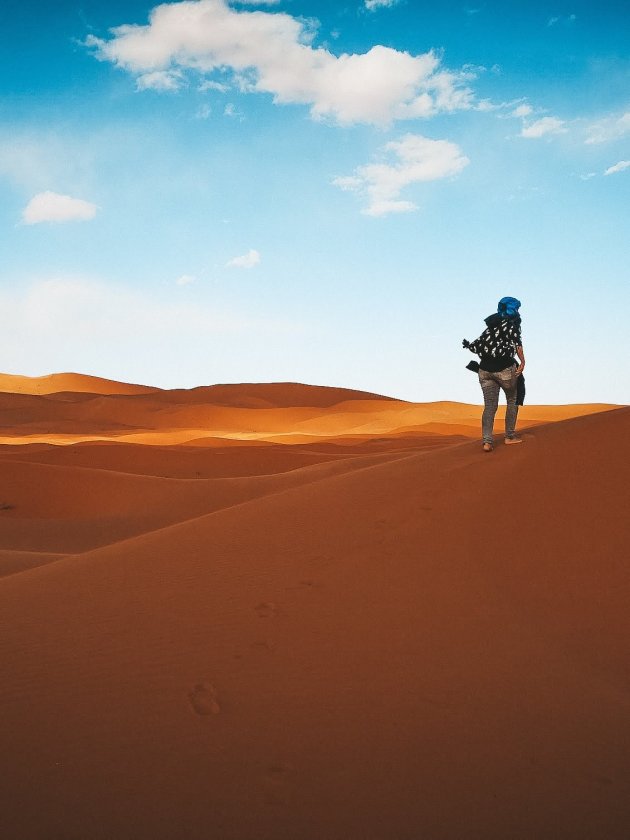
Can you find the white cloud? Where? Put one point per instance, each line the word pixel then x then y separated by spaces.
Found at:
pixel 522 111
pixel 372 5
pixel 53 207
pixel 272 52
pixel 203 112
pixel 161 80
pixel 609 128
pixel 536 128
pixel 185 280
pixel 543 127
pixel 416 159
pixel 618 167
pixel 248 260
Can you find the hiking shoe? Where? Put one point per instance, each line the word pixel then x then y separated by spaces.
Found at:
pixel 514 440
pixel 488 447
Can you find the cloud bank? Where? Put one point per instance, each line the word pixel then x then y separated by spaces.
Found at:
pixel 112 330
pixel 53 207
pixel 273 53
pixel 416 159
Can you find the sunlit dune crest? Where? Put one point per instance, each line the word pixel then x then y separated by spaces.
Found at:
pixel 283 612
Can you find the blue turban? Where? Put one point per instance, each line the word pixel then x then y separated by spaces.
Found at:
pixel 508 307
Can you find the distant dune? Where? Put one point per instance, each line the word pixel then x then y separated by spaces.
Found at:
pixel 47 410
pixel 332 617
pixel 59 382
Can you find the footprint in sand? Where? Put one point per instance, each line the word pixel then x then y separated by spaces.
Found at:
pixel 267 609
pixel 275 781
pixel 204 699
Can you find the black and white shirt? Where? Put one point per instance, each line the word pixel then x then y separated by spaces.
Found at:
pixel 497 344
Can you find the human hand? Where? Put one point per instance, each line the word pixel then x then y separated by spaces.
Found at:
pixel 519 369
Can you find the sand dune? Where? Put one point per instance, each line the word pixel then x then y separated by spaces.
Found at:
pixel 413 642
pixel 267 395
pixel 70 382
pixel 68 509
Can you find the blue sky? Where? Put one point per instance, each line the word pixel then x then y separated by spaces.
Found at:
pixel 334 193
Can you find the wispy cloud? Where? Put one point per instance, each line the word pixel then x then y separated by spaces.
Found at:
pixel 211 84
pixel 544 127
pixel 557 19
pixel 416 159
pixel 248 260
pixel 373 5
pixel 54 207
pixel 522 111
pixel 618 167
pixel 203 112
pixel 37 160
pixel 609 128
pixel 273 52
pixel 160 80
pixel 231 110
pixel 185 280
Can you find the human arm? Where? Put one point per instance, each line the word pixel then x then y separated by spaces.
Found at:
pixel 473 346
pixel 521 358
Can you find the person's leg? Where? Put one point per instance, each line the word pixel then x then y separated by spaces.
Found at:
pixel 508 380
pixel 490 390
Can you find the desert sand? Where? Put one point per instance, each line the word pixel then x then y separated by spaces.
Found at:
pixel 283 612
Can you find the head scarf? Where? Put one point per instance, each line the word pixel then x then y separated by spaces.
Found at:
pixel 508 307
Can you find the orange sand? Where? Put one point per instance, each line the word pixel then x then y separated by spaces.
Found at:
pixel 375 632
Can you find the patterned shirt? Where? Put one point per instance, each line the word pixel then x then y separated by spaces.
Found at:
pixel 498 342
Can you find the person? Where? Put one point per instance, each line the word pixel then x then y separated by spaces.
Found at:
pixel 496 347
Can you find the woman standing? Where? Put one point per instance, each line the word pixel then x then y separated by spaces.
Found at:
pixel 498 369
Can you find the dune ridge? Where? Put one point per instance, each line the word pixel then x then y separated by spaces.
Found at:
pixel 68 382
